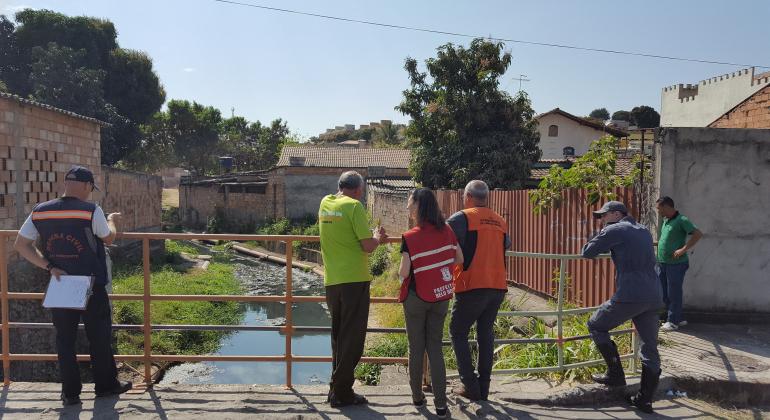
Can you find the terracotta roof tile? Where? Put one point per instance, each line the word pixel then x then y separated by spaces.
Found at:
pixel 343 157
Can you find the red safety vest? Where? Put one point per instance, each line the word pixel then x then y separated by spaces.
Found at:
pixel 432 254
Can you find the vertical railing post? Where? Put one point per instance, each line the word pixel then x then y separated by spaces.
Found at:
pixel 4 299
pixel 146 299
pixel 289 301
pixel 560 307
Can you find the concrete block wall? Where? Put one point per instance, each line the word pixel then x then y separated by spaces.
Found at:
pixel 719 179
pixel 752 113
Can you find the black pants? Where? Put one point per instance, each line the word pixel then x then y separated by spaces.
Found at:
pixel 98 323
pixel 477 306
pixel 349 308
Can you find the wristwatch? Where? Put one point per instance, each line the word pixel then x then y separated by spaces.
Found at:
pixel 49 267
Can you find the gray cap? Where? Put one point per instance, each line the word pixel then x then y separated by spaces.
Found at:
pixel 611 206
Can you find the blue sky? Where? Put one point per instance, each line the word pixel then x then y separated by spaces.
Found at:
pixel 317 73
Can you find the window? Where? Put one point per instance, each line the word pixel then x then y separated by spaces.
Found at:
pixel 568 151
pixel 553 131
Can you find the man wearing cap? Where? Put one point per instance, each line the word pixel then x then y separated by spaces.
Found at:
pixel 637 297
pixel 73 233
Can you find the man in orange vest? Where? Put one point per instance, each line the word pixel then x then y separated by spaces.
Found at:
pixel 480 286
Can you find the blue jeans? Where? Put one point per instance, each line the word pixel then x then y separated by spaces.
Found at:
pixel 477 306
pixel 671 280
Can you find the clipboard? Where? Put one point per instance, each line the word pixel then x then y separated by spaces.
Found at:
pixel 69 292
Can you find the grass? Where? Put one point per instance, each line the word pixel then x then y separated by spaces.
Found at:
pixel 168 278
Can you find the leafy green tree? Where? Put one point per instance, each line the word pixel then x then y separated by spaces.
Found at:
pixel 600 114
pixel 57 78
pixel 75 63
pixel 622 116
pixel 463 126
pixel 645 117
pixel 594 171
pixel 194 132
pixel 132 86
pixel 10 73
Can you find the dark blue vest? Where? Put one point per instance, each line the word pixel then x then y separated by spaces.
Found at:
pixel 68 240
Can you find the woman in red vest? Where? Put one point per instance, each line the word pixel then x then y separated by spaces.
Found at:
pixel 429 253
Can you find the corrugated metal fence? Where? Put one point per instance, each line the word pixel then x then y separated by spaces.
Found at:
pixel 562 230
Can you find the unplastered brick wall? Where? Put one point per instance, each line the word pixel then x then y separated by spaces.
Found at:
pixel 137 196
pixel 752 113
pixel 390 209
pixel 37 147
pixel 241 207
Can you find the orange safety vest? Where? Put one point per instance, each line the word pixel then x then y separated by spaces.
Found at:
pixel 487 269
pixel 432 253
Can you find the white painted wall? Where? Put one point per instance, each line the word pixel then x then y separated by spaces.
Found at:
pixel 720 179
pixel 682 106
pixel 571 133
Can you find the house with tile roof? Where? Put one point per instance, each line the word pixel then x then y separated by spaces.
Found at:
pixel 304 174
pixel 565 135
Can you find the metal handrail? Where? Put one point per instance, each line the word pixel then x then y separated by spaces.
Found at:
pixel 288 329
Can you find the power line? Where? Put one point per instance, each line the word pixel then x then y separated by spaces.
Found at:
pixel 516 41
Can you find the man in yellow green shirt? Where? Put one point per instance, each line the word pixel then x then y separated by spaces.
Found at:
pixel 345 243
pixel 673 244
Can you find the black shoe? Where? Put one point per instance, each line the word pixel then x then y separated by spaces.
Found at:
pixel 120 388
pixel 420 403
pixel 614 375
pixel 70 400
pixel 643 399
pixel 355 400
pixel 441 413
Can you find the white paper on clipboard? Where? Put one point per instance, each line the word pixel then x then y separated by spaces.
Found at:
pixel 69 292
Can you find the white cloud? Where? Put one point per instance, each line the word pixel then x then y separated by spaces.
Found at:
pixel 188 69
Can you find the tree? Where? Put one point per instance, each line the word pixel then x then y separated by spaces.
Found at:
pixel 645 117
pixel 387 135
pixel 600 114
pixel 9 54
pixel 463 126
pixel 594 171
pixel 75 63
pixel 194 132
pixel 622 116
pixel 57 78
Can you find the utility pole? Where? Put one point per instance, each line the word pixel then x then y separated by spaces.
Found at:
pixel 232 112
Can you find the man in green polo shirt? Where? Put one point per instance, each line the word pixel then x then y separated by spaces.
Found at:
pixel 672 258
pixel 345 242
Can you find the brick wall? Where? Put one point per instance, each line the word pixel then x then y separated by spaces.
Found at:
pixel 136 195
pixel 38 145
pixel 390 209
pixel 241 210
pixel 752 113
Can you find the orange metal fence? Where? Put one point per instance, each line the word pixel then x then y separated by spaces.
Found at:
pixel 561 230
pixel 147 297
